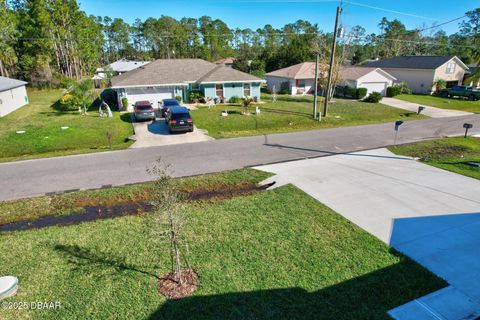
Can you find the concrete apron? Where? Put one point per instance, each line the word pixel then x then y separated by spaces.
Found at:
pixel 429 214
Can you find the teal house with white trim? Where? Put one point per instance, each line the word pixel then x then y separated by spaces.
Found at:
pixel 170 78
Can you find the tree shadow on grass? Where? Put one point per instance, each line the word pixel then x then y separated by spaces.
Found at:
pixel 126 117
pixel 88 261
pixel 369 296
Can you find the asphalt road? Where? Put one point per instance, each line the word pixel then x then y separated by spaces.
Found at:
pixel 37 177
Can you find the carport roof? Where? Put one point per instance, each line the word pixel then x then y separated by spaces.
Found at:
pixel 180 72
pixel 8 83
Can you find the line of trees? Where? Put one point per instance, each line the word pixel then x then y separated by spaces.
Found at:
pixel 47 41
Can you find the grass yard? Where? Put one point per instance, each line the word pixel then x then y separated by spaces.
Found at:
pixel 292 114
pixel 44 137
pixel 270 255
pixel 444 103
pixel 450 154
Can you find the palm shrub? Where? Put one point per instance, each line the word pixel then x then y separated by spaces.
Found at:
pixel 124 103
pixel 246 102
pixel 439 85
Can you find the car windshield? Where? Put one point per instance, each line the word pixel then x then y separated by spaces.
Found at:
pixel 181 116
pixel 144 108
pixel 170 103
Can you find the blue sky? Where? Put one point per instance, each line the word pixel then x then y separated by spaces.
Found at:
pixel 254 14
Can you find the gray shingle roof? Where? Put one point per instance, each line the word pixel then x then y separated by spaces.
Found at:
pixel 8 83
pixel 179 71
pixel 411 62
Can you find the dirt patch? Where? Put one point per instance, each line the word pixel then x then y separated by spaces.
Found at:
pixel 90 213
pixel 170 287
pixel 226 192
pixel 440 151
pixel 134 207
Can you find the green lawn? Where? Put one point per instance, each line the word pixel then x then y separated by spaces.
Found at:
pixel 271 255
pixel 44 137
pixel 450 154
pixel 292 114
pixel 444 103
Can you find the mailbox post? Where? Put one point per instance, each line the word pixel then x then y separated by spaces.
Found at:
pixel 467 126
pixel 398 123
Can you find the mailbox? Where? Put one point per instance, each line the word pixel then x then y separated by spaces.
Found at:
pixel 467 126
pixel 398 123
pixel 420 109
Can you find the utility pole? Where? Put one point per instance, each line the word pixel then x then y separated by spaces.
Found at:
pixel 332 61
pixel 316 89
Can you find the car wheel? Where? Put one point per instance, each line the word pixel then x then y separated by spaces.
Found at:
pixel 471 97
pixel 445 94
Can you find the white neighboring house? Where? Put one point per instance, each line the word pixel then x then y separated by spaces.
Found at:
pixel 420 72
pixel 300 78
pixel 296 79
pixel 13 95
pixel 116 68
pixel 373 79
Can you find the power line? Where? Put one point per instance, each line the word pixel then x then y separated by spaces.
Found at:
pixel 441 24
pixel 389 10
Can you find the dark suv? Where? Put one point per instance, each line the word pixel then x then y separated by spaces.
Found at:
pixel 167 104
pixel 178 119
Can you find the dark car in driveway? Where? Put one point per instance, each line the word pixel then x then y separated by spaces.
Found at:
pixel 179 119
pixel 144 111
pixel 167 104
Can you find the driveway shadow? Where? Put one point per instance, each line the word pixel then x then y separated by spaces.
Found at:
pixel 368 296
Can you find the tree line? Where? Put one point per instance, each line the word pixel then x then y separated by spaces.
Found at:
pixel 47 41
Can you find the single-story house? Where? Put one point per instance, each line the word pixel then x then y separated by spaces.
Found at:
pixel 227 62
pixel 373 79
pixel 13 95
pixel 114 69
pixel 296 79
pixel 169 78
pixel 300 78
pixel 420 72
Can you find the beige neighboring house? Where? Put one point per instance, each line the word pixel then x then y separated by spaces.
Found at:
pixel 300 79
pixel 420 72
pixel 114 69
pixel 13 95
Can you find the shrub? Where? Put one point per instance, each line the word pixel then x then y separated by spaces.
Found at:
pixel 234 99
pixel 195 96
pixel 374 97
pixel 178 98
pixel 67 103
pixel 361 93
pixel 393 91
pixel 403 87
pixel 125 103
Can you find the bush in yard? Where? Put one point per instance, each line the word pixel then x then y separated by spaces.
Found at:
pixel 178 98
pixel 195 96
pixel 374 97
pixel 247 101
pixel 393 91
pixel 234 99
pixel 66 103
pixel 360 93
pixel 125 103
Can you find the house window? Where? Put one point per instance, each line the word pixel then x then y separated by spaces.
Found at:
pixel 219 90
pixel 450 67
pixel 246 89
pixel 301 84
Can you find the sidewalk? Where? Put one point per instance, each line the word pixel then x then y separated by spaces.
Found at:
pixel 428 111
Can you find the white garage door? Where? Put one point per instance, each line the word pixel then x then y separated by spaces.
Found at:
pixel 154 95
pixel 374 87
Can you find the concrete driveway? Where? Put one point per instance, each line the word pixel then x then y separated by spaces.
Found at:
pixel 429 111
pixel 155 133
pixel 429 214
